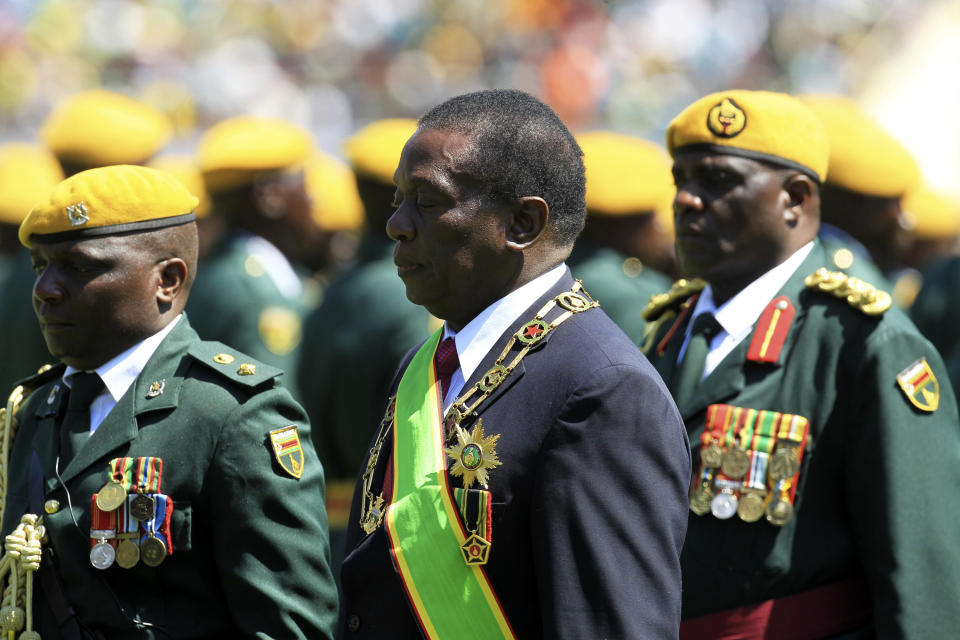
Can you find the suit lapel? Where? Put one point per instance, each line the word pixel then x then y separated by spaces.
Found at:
pixel 564 284
pixel 144 396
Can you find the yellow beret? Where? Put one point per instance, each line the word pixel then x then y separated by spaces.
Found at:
pixel 863 157
pixel 934 214
pixel 333 189
pixel 761 125
pixel 626 175
pixel 184 168
pixel 233 152
pixel 374 151
pixel 109 200
pixel 27 173
pixel 97 128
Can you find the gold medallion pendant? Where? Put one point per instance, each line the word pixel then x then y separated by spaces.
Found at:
pixel 475 550
pixel 473 455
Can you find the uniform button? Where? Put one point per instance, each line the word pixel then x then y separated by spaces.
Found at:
pixel 353 623
pixel 51 506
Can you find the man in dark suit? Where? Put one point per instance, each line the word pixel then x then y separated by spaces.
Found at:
pixel 528 478
pixel 164 487
pixel 824 427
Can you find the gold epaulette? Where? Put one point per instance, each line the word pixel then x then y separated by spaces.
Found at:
pixel 858 294
pixel 681 290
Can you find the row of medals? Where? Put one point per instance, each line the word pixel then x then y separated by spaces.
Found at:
pixel 128 553
pixel 752 503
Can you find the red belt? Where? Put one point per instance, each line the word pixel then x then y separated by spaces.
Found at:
pixel 817 613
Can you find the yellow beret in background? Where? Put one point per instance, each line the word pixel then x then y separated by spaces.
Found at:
pixel 761 125
pixel 374 151
pixel 232 152
pixel 626 175
pixel 97 128
pixel 27 174
pixel 184 168
pixel 106 201
pixel 333 189
pixel 934 214
pixel 863 156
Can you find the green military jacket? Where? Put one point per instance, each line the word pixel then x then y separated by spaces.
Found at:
pixel 234 300
pixel 249 556
pixel 876 495
pixel 623 295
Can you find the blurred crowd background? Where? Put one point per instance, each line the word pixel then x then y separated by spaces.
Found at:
pixel 334 65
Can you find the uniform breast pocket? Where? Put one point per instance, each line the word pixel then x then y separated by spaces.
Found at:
pixel 181 524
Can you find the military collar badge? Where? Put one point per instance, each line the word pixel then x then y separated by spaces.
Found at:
pixel 920 386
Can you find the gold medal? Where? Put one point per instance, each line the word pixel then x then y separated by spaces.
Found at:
pixel 128 553
pixel 473 456
pixel 142 507
pixel 712 455
pixel 700 502
pixel 374 517
pixel 779 512
pixel 153 551
pixel 783 463
pixel 735 463
pixel 750 508
pixel 111 496
pixel 475 550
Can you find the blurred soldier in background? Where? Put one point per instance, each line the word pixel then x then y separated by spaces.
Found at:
pixel 249 293
pixel 937 306
pixel 354 341
pixel 184 168
pixel 864 227
pixel 90 129
pixel 823 425
pixel 337 212
pixel 627 243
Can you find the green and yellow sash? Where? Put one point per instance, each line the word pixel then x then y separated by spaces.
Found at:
pixel 451 599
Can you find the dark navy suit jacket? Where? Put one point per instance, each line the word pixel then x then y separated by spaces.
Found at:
pixel 589 505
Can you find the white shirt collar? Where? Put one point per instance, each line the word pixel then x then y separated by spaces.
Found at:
pixel 276 266
pixel 120 372
pixel 738 314
pixel 479 335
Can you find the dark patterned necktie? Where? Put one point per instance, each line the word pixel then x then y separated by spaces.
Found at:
pixel 75 428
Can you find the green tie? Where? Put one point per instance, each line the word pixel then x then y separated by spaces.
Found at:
pixel 75 428
pixel 689 373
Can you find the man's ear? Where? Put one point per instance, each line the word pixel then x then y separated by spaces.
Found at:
pixel 799 190
pixel 528 223
pixel 173 278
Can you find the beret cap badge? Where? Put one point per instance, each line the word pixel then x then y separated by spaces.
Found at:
pixel 77 214
pixel 726 119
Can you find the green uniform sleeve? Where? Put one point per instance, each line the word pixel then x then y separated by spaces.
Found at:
pixel 902 482
pixel 269 529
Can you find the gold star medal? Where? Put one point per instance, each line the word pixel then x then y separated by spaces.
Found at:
pixel 473 455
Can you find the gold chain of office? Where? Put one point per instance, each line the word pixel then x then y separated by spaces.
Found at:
pixel 577 300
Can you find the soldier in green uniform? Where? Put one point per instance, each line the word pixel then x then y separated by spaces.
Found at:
pixel 250 293
pixel 354 341
pixel 825 432
pixel 156 485
pixel 89 129
pixel 864 228
pixel 626 245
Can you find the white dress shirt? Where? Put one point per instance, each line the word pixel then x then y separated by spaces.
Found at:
pixel 119 373
pixel 738 315
pixel 479 335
